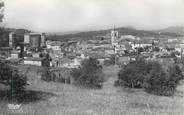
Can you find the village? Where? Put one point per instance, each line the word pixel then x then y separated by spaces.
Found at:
pixel 33 48
pixel 91 57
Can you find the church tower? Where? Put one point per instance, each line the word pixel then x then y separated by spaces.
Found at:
pixel 114 36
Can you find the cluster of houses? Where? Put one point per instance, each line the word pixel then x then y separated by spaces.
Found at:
pixel 33 49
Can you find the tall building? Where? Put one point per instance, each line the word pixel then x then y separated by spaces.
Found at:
pixel 35 40
pixel 26 38
pixel 114 42
pixel 11 39
pixel 114 36
pixel 43 43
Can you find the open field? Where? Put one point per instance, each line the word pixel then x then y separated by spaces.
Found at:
pixel 49 98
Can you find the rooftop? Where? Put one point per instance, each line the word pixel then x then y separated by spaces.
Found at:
pixel 33 59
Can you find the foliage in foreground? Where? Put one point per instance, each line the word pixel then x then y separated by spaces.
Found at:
pixel 151 76
pixel 89 75
pixel 10 76
pixel 132 75
pixel 46 74
pixel 162 82
pixel 63 75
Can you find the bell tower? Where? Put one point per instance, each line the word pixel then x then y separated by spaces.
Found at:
pixel 114 36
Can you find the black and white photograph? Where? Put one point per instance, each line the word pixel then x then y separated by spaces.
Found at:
pixel 91 57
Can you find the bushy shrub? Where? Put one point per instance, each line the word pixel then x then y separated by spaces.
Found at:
pixel 10 76
pixel 17 85
pixel 162 82
pixel 151 76
pixel 132 75
pixel 90 74
pixel 46 74
pixel 62 75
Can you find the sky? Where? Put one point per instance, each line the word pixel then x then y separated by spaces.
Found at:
pixel 85 15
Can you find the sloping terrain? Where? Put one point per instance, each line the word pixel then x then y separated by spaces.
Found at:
pixel 122 31
pixel 49 98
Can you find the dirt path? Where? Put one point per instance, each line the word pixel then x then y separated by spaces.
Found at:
pixel 111 75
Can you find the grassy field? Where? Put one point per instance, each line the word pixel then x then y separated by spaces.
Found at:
pixel 51 98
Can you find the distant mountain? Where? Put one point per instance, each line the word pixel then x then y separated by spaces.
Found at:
pixel 175 30
pixel 122 31
pixel 63 33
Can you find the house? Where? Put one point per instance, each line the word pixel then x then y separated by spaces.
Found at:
pixel 15 60
pixel 101 61
pixel 35 39
pixel 181 45
pixel 75 63
pixel 56 62
pixel 123 60
pixel 33 61
pixel 14 54
pixel 170 47
pixel 54 45
pixel 172 40
pixel 143 44
pixel 122 48
pixel 109 51
pixel 128 37
pixel 36 55
pixel 5 51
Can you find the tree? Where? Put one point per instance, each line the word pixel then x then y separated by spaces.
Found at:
pixel 163 82
pixel 46 75
pixel 1 10
pixel 47 59
pixel 151 76
pixel 3 32
pixel 89 75
pixel 132 75
pixel 10 76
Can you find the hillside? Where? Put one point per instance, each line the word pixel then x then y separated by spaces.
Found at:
pixel 51 98
pixel 174 30
pixel 122 31
pixel 168 32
